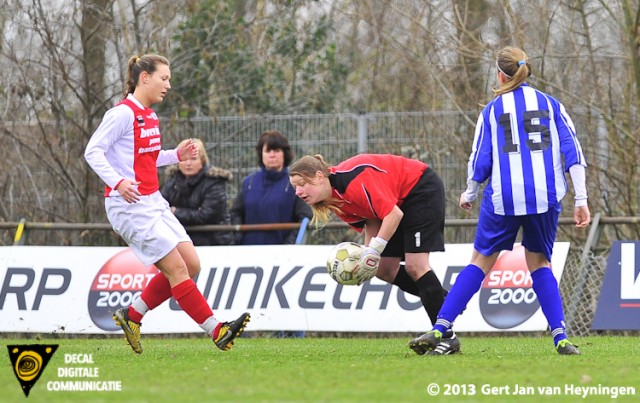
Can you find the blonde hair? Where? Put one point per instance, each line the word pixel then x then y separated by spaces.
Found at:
pixel 306 167
pixel 514 64
pixel 202 152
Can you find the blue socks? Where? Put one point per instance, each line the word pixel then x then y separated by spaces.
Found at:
pixel 546 288
pixel 467 284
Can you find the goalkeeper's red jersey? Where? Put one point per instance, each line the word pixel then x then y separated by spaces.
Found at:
pixel 370 185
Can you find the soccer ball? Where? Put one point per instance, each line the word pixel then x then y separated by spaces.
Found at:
pixel 342 261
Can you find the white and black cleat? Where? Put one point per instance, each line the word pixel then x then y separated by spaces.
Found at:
pixel 450 344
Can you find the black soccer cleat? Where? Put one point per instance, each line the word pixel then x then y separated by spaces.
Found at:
pixel 427 342
pixel 229 331
pixel 565 347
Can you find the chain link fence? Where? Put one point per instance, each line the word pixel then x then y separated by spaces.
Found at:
pixel 580 288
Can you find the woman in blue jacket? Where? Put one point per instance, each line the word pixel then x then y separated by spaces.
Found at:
pixel 266 196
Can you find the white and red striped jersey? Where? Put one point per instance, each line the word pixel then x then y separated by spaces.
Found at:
pixel 128 145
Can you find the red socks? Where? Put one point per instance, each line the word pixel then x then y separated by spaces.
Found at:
pixel 186 294
pixel 192 301
pixel 155 293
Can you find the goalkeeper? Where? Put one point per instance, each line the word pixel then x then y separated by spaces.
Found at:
pixel 399 203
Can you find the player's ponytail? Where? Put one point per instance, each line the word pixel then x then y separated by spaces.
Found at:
pixel 514 64
pixel 137 65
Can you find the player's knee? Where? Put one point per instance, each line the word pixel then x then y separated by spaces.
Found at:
pixel 194 269
pixel 416 271
pixel 176 273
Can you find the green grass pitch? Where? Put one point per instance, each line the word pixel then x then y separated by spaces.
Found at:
pixel 336 370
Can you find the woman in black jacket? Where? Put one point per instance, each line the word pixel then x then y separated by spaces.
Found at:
pixel 197 194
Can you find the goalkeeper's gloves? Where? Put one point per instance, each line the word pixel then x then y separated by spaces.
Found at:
pixel 367 265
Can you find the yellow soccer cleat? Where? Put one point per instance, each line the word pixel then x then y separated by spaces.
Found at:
pixel 131 329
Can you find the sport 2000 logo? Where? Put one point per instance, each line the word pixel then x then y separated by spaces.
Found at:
pixel 118 283
pixel 506 297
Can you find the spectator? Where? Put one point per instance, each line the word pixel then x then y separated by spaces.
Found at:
pixel 267 196
pixel 269 187
pixel 197 194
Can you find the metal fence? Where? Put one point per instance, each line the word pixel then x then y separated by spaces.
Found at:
pixel 428 136
pixel 442 139
pixel 580 288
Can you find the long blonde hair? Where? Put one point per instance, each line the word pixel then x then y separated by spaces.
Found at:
pixel 514 64
pixel 306 167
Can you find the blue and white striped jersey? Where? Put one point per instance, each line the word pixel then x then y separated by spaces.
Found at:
pixel 519 144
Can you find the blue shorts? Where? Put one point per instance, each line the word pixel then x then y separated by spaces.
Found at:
pixel 498 232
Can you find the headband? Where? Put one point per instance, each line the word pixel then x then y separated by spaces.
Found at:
pixel 502 71
pixel 520 63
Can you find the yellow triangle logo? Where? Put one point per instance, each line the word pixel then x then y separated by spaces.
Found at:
pixel 28 362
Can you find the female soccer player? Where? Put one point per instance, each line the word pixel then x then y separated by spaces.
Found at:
pixel 125 152
pixel 399 202
pixel 521 137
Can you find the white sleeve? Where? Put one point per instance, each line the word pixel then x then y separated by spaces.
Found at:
pixel 578 179
pixel 167 157
pixel 471 194
pixel 115 123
